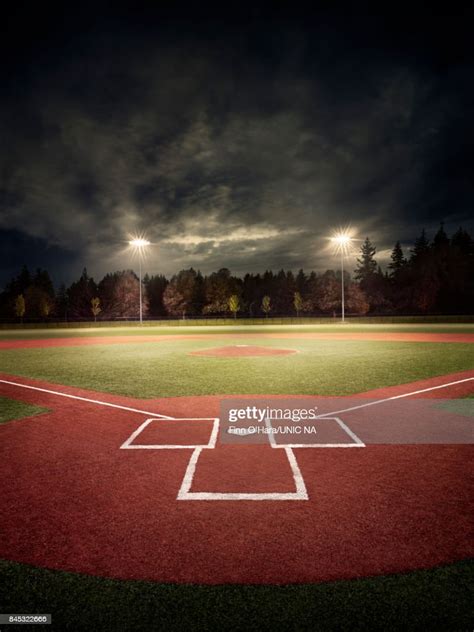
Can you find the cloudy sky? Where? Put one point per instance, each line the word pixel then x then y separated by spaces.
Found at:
pixel 239 143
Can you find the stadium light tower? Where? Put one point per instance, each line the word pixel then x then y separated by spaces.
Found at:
pixel 139 244
pixel 342 242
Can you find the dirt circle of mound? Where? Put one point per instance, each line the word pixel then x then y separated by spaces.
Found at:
pixel 242 351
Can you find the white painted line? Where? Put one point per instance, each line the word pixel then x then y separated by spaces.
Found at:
pixel 129 445
pixel 351 434
pixel 390 399
pixel 214 434
pixel 189 475
pixel 135 433
pixel 185 493
pixel 357 442
pixel 85 399
pixel 320 445
pixel 297 476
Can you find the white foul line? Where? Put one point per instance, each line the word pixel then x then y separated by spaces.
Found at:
pixel 85 399
pixel 389 399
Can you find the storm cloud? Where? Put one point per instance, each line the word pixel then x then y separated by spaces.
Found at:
pixel 239 145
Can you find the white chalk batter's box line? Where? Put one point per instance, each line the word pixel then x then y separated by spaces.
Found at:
pixel 211 444
pixel 185 492
pixel 355 443
pixel 129 445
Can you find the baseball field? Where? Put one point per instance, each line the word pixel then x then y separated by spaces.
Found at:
pixel 124 508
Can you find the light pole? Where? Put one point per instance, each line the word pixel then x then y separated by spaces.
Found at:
pixel 139 245
pixel 342 242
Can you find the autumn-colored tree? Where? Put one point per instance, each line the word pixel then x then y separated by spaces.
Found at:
pixel 38 302
pixel 45 305
pixel 356 300
pixel 119 295
pixel 234 304
pixel 298 303
pixel 326 292
pixel 266 305
pixel 184 293
pixel 95 307
pixel 20 306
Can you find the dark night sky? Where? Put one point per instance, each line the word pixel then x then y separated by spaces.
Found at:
pixel 240 143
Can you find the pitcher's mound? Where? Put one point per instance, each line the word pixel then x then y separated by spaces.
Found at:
pixel 242 350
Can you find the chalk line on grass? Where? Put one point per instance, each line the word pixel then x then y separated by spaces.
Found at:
pixel 85 399
pixel 389 399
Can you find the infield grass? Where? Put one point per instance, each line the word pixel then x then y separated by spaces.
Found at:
pixel 11 409
pixel 165 368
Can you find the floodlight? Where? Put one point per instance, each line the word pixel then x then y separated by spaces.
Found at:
pixel 342 241
pixel 139 243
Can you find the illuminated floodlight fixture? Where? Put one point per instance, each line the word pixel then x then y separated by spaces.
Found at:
pixel 139 244
pixel 342 242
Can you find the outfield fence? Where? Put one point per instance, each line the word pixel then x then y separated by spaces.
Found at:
pixel 242 322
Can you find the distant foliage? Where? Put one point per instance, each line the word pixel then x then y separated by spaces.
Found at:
pixel 433 277
pixel 234 304
pixel 20 306
pixel 266 305
pixel 95 307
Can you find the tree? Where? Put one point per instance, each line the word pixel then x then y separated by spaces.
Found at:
pixel 326 292
pixel 95 307
pixel 367 266
pixel 62 302
pixel 397 261
pixel 45 305
pixel 119 295
pixel 20 307
pixel 234 304
pixel 155 287
pixel 218 287
pixel 38 303
pixel 301 282
pixel 356 301
pixel 425 280
pixel 80 294
pixel 185 293
pixel 266 305
pixel 43 281
pixel 298 303
pixel 420 249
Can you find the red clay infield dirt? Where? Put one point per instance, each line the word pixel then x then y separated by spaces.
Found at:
pixel 234 351
pixel 79 503
pixel 109 340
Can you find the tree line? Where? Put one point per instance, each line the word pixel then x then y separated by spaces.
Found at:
pixel 435 276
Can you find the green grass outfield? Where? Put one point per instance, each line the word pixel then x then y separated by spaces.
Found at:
pixel 60 331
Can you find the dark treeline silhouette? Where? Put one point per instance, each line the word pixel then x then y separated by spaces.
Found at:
pixel 433 277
